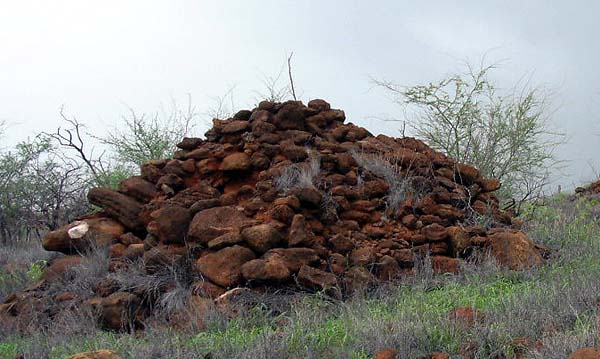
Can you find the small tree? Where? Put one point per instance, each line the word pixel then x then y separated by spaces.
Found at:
pixel 143 138
pixel 505 136
pixel 149 137
pixel 39 190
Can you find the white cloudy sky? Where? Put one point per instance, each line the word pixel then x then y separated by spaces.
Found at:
pixel 96 56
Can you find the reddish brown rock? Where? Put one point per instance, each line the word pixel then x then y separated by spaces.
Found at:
pixel 387 268
pixel 282 213
pixel 225 240
pixel 116 250
pixel 443 264
pixel 459 240
pixel 119 311
pixel 235 126
pixel 435 232
pixel 97 354
pixel 466 316
pixel 170 224
pixel 214 222
pixel 220 202
pixel 438 355
pixel 319 105
pixel 357 279
pixel 270 270
pixel 309 195
pixel 317 279
pixel 294 258
pixel 338 263
pixel 387 354
pixel 290 117
pixel 82 235
pixel 261 238
pixel 341 244
pixel 466 174
pixel 236 162
pixel 134 251
pixel 118 206
pixel 362 256
pixel 138 188
pixel 490 185
pixel 513 249
pixel 163 257
pixel 207 289
pixel 585 353
pixel 224 267
pixel 60 267
pixel 299 232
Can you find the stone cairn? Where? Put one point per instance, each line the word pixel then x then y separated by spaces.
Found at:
pixel 288 195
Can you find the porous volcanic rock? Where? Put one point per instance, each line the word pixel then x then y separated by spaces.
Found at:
pixel 285 196
pixel 585 353
pixel 97 354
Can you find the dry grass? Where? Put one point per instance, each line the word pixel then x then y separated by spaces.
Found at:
pixel 299 175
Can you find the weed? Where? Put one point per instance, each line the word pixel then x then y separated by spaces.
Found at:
pixel 299 175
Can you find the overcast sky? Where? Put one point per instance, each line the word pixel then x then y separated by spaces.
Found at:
pixel 96 56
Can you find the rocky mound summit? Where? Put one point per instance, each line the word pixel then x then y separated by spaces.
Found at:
pixel 287 195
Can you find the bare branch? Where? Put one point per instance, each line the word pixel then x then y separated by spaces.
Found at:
pixel 289 62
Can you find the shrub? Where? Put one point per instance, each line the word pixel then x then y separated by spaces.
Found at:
pixel 39 190
pixel 505 136
pixel 144 137
pixel 300 175
pixel 400 182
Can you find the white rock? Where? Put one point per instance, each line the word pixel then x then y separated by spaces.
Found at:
pixel 80 229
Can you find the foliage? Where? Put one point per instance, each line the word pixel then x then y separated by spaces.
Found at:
pixel 505 136
pixel 299 175
pixel 399 181
pixel 146 137
pixel 39 189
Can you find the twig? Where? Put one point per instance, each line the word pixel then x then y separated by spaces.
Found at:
pixel 289 62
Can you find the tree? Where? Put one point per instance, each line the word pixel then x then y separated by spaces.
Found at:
pixel 148 137
pixel 141 138
pixel 39 190
pixel 506 136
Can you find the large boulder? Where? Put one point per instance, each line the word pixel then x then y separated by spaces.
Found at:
pixel 269 270
pixel 316 279
pixel 514 249
pixel 214 222
pixel 118 206
pixel 119 311
pixel 236 162
pixel 170 224
pixel 585 353
pixel 82 235
pixel 293 258
pixel 261 237
pixel 59 268
pixel 224 267
pixel 138 188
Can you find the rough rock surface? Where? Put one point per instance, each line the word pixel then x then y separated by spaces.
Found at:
pixel 585 353
pixel 97 354
pixel 288 195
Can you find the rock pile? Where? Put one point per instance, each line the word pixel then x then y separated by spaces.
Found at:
pixel 289 195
